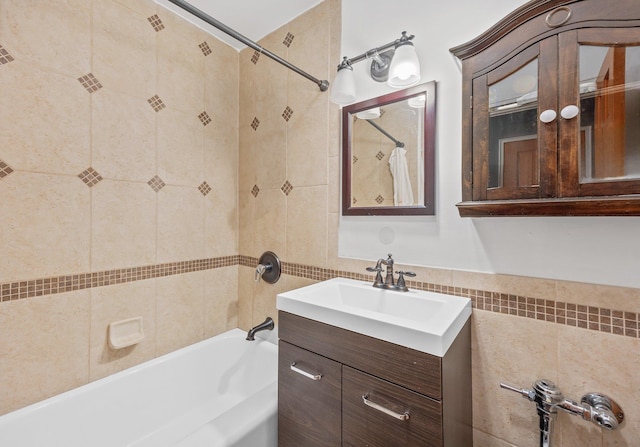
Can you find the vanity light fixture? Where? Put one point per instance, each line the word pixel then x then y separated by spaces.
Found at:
pixel 396 63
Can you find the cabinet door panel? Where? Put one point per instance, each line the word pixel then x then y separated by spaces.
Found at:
pixel 308 410
pixel 364 425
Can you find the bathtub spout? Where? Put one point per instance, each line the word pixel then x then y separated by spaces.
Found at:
pixel 267 324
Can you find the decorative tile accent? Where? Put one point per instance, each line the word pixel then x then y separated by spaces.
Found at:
pixel 156 103
pixel 155 22
pixel 206 50
pixel 90 177
pixel 379 199
pixel 5 57
pixel 90 82
pixel 156 183
pixel 355 159
pixel 204 188
pixel 287 40
pixel 5 169
pixel 380 155
pixel 204 118
pixel 255 57
pixel 598 319
pixel 287 113
pixel 68 283
pixel 286 188
pixel 255 190
pixel 255 123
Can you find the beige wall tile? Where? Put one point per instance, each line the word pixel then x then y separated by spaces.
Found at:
pixel 271 150
pixel 44 345
pixel 270 222
pixel 220 300
pixel 245 297
pixel 307 221
pixel 114 303
pixel 501 413
pixel 180 224
pixel 123 225
pixel 486 440
pixel 180 311
pixel 247 85
pixel 180 64
pixel 270 88
pixel 606 364
pixel 610 297
pixel 221 223
pixel 334 184
pixel 46 226
pixel 517 285
pixel 307 140
pixel 249 147
pixel 123 136
pixel 124 47
pixel 180 148
pixel 54 34
pixel 221 89
pixel 246 229
pixel 44 120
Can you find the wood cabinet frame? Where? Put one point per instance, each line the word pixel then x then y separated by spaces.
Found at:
pixel 542 29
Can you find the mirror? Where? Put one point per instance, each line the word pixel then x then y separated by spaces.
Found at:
pixel 388 154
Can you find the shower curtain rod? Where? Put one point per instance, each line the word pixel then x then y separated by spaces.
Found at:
pixel 323 85
pixel 386 134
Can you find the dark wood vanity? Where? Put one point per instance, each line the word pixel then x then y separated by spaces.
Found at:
pixel 550 103
pixel 341 388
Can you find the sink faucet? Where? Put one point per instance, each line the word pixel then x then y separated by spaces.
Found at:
pixel 389 280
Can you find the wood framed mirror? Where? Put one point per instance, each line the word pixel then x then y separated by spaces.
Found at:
pixel 388 154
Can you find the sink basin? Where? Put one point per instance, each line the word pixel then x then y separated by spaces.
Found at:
pixel 425 321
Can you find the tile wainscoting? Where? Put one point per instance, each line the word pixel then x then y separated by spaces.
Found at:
pixel 603 319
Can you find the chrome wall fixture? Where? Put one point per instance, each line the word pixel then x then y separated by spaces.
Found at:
pixel 396 63
pixel 593 407
pixel 322 84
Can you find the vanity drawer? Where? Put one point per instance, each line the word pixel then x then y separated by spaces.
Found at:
pixel 377 423
pixel 412 369
pixel 308 407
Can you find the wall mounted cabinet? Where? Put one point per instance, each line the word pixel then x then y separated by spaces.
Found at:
pixel 551 112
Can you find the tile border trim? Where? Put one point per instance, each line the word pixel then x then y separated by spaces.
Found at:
pixel 593 318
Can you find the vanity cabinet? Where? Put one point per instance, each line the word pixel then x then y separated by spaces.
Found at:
pixel 376 393
pixel 551 107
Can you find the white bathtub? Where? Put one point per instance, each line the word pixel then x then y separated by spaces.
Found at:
pixel 219 392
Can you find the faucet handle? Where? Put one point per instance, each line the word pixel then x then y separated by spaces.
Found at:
pixel 378 270
pixel 527 394
pixel 401 284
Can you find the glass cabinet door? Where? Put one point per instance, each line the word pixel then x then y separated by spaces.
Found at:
pixel 607 123
pixel 510 141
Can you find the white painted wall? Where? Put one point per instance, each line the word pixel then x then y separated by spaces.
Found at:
pixel 602 250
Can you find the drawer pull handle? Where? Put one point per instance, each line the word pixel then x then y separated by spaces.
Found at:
pixel 403 417
pixel 304 373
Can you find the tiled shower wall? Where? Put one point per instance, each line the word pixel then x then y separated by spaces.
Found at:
pixel 118 180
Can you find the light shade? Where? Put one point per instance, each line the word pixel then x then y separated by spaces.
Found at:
pixel 405 67
pixel 343 89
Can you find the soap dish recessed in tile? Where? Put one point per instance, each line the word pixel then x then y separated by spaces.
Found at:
pixel 125 333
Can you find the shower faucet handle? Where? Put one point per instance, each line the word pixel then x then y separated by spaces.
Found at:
pixel 528 394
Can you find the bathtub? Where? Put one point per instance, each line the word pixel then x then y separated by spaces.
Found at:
pixel 219 392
